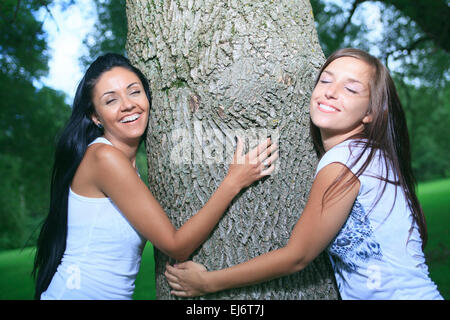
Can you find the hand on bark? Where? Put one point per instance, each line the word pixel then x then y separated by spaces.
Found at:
pixel 186 279
pixel 257 163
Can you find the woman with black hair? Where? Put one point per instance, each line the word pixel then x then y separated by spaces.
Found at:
pixel 101 213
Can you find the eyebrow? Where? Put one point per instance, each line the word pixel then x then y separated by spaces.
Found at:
pixel 349 79
pixel 128 87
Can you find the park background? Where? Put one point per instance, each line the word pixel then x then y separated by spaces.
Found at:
pixel 37 85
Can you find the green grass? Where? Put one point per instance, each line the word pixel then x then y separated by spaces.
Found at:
pixel 16 265
pixel 435 200
pixel 145 281
pixel 16 282
pixel 15 278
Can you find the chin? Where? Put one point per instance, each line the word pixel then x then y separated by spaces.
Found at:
pixel 131 138
pixel 321 123
pixel 135 132
pixel 137 135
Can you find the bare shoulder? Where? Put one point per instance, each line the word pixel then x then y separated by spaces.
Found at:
pixel 337 180
pixel 99 161
pixel 105 156
pixel 108 168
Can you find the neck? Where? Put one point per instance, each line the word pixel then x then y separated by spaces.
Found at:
pixel 331 139
pixel 129 148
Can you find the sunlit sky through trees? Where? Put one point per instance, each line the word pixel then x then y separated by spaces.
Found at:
pixel 67 27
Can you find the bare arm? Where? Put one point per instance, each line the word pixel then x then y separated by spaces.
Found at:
pixel 315 229
pixel 118 180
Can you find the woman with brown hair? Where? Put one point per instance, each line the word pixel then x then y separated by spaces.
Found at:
pixel 362 206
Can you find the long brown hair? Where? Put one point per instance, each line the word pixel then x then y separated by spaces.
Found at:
pixel 387 133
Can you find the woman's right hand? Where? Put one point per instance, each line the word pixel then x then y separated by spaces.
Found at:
pixel 186 279
pixel 257 163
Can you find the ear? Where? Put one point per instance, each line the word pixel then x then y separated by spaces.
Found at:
pixel 95 118
pixel 367 119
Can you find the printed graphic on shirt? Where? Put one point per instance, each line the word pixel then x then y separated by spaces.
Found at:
pixel 355 242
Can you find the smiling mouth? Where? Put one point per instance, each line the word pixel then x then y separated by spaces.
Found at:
pixel 131 118
pixel 325 108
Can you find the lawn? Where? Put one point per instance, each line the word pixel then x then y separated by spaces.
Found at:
pixel 16 265
pixel 16 282
pixel 435 199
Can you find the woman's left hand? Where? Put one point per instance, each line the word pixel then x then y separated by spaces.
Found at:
pixel 186 279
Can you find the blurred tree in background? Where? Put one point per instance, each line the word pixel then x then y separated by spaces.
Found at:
pixel 109 33
pixel 410 37
pixel 30 119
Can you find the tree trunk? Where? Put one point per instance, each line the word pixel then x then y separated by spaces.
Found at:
pixel 220 68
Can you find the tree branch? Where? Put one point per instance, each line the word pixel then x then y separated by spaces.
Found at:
pixel 433 17
pixel 45 5
pixel 15 11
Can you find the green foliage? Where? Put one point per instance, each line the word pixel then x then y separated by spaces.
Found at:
pixel 393 31
pixel 431 16
pixel 23 43
pixel 30 119
pixel 402 43
pixel 11 201
pixel 332 27
pixel 110 31
pixel 427 112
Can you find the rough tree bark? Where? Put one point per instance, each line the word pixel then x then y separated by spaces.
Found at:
pixel 218 68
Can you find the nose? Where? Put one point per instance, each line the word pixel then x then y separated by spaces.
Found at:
pixel 331 91
pixel 127 104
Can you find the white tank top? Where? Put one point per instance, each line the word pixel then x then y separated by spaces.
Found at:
pixel 103 251
pixel 376 254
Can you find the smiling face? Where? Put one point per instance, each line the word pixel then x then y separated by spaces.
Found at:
pixel 340 101
pixel 121 105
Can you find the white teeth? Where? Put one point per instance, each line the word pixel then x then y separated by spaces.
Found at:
pixel 328 108
pixel 130 118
